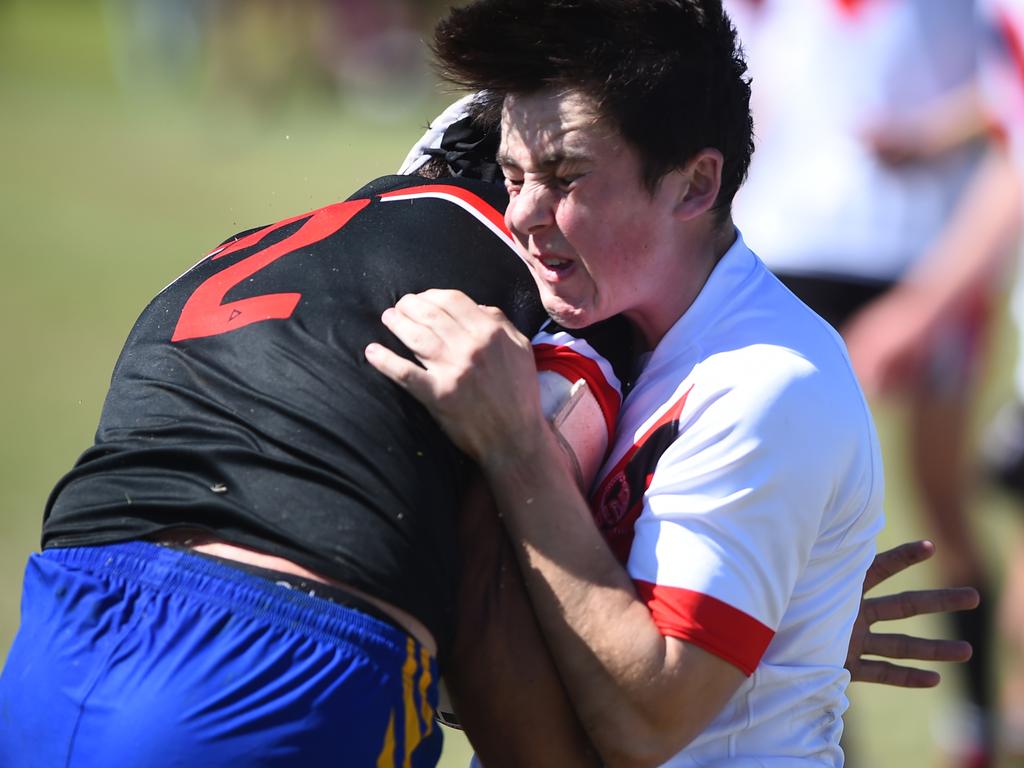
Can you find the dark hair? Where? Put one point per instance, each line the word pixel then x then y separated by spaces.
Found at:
pixel 668 73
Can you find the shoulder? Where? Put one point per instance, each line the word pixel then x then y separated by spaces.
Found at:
pixel 769 348
pixel 768 372
pixel 794 393
pixel 486 193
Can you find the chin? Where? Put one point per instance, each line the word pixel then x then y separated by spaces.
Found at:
pixel 569 318
pixel 569 314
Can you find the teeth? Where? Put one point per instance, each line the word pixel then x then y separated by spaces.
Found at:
pixel 553 262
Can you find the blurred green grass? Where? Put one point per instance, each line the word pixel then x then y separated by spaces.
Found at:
pixel 107 196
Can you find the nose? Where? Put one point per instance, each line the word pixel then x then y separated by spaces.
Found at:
pixel 532 209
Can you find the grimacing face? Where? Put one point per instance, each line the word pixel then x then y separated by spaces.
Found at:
pixel 596 240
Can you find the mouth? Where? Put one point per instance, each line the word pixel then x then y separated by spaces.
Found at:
pixel 554 268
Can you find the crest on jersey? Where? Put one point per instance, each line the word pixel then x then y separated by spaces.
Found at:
pixel 619 499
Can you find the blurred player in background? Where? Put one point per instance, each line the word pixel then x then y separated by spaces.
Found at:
pixel 887 339
pixel 868 123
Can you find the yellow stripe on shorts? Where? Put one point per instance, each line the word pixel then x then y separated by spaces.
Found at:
pixel 418 718
pixel 386 758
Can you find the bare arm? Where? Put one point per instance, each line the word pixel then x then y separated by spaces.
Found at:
pixel 508 695
pixel 502 679
pixel 949 122
pixel 640 696
pixel 886 339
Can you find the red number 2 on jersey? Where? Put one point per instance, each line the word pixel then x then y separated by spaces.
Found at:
pixel 206 314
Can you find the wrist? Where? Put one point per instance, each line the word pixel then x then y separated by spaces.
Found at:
pixel 521 460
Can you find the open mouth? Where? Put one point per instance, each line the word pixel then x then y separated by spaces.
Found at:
pixel 555 266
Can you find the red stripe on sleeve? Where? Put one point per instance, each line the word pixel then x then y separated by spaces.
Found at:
pixel 708 623
pixel 851 7
pixel 573 366
pixel 997 124
pixel 1011 34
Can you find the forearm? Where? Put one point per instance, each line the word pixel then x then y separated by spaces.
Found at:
pixel 501 678
pixel 975 241
pixel 955 120
pixel 625 679
pixel 639 695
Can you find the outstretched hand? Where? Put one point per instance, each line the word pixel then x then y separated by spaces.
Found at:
pixel 864 642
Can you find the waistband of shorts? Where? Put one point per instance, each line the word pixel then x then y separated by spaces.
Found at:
pixel 173 570
pixel 291 581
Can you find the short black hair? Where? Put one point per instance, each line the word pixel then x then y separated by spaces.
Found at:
pixel 669 74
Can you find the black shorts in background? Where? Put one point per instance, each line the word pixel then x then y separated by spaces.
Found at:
pixel 835 299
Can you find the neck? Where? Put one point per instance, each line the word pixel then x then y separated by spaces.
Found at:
pixel 701 252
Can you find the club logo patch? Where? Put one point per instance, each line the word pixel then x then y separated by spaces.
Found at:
pixel 618 500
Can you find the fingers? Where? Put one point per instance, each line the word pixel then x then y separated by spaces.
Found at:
pixel 919 648
pixel 444 305
pixel 884 673
pixel 426 321
pixel 906 604
pixel 493 313
pixel 892 561
pixel 404 373
pixel 421 324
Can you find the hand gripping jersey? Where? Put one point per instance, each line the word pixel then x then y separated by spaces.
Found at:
pixel 242 402
pixel 743 494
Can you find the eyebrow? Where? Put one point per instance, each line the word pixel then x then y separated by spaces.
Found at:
pixel 547 162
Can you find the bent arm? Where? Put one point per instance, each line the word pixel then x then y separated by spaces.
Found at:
pixel 640 695
pixel 502 680
pixel 886 337
pixel 974 243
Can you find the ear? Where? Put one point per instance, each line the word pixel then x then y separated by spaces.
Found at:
pixel 703 173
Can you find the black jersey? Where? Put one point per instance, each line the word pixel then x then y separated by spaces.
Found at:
pixel 242 402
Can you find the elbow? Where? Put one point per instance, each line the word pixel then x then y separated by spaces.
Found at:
pixel 633 744
pixel 637 755
pixel 661 713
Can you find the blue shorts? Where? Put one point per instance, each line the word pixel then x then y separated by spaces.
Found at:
pixel 140 656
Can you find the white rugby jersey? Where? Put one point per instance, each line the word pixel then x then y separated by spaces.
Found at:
pixel 1002 78
pixel 744 493
pixel 1002 69
pixel 817 200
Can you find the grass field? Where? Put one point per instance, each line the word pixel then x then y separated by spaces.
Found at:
pixel 107 197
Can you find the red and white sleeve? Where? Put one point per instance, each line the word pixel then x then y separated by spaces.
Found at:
pixel 581 396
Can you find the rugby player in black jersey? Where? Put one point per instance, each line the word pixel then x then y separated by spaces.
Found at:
pixel 256 561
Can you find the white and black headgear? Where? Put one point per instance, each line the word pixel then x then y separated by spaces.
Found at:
pixel 467 146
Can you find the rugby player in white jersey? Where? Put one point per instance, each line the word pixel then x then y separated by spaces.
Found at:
pixel 704 618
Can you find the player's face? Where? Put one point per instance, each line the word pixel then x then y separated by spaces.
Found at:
pixel 597 241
